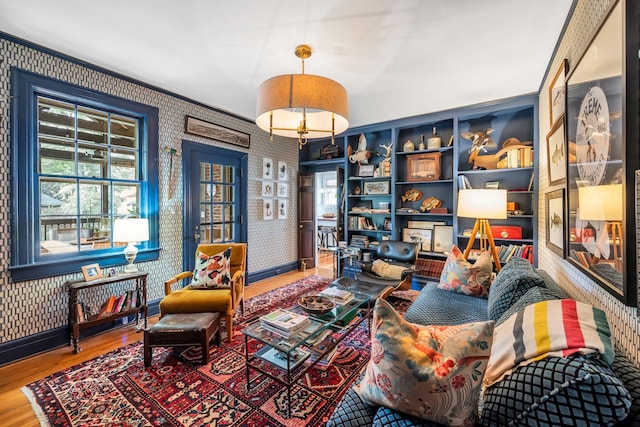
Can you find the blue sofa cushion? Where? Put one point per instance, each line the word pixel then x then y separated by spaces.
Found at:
pixel 510 284
pixel 628 374
pixel 386 417
pixel 556 391
pixel 533 295
pixel 439 307
pixel 352 411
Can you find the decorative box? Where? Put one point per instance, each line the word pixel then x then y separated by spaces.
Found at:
pixel 506 232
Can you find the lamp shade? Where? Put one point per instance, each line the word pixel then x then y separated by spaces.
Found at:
pixel 482 204
pixel 131 230
pixel 324 100
pixel 600 202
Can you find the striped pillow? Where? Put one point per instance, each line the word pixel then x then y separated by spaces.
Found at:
pixel 548 328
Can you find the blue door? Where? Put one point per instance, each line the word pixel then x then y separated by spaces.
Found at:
pixel 215 197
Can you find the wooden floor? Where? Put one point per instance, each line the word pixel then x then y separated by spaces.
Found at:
pixel 15 409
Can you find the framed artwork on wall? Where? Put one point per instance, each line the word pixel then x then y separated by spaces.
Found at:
pixel 267 168
pixel 556 153
pixel 557 94
pixel 267 209
pixel 283 171
pixel 554 226
pixel 602 124
pixel 282 208
pixel 213 131
pixel 268 189
pixel 283 189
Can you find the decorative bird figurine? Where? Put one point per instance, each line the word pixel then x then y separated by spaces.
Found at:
pixel 362 155
pixel 479 141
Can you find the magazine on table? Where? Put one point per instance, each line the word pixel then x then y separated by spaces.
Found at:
pixel 340 296
pixel 285 322
pixel 279 358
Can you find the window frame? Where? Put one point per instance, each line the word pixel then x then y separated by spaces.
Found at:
pixel 26 262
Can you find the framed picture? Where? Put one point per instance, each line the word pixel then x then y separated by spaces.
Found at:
pixel 366 170
pixel 212 131
pixel 554 209
pixel 442 238
pixel 282 208
pixel 428 225
pixel 376 187
pixel 267 209
pixel 91 272
pixel 423 167
pixel 557 94
pixel 268 189
pixel 283 171
pixel 556 157
pixel 602 130
pixel 267 168
pixel 283 189
pixel 419 236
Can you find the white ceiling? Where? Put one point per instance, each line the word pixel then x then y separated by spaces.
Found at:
pixel 396 58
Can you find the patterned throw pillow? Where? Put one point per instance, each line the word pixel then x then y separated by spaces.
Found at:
pixel 430 372
pixel 212 272
pixel 459 275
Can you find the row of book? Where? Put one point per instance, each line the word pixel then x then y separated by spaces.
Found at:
pixel 506 252
pixel 428 267
pixel 360 223
pixel 517 158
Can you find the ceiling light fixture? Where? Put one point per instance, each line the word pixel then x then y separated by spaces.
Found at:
pixel 302 106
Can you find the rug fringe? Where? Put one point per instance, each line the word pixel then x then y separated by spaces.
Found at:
pixel 44 422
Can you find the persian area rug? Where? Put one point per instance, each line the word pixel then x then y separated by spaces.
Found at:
pixel 116 390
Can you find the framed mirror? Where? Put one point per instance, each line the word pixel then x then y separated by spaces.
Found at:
pixel 602 130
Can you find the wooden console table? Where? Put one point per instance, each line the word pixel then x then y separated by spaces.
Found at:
pixel 75 325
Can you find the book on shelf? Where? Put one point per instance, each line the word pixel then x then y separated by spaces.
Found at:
pixel 279 358
pixel 107 307
pixel 80 314
pixel 284 322
pixel 117 307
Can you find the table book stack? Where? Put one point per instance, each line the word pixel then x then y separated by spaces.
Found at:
pixel 339 296
pixel 284 323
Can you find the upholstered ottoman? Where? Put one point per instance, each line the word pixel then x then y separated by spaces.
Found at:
pixel 182 330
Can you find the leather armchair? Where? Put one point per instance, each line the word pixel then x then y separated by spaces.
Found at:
pixel 397 254
pixel 223 301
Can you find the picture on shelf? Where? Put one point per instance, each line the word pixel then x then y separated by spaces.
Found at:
pixel 442 238
pixel 376 187
pixel 418 236
pixel 91 272
pixel 366 170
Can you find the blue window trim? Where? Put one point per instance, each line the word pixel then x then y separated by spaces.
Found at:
pixel 25 86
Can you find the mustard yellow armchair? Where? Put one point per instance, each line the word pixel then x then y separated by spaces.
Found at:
pixel 223 301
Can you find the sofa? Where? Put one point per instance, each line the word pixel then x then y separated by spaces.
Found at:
pixel 580 390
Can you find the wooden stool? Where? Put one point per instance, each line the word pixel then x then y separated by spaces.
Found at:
pixel 182 330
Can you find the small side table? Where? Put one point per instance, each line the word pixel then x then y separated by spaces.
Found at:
pixel 340 256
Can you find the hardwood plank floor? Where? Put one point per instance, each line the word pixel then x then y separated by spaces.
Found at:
pixel 15 409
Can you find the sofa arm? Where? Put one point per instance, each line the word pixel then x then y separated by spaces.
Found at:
pixel 175 279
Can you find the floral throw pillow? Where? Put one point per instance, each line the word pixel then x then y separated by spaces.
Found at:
pixel 459 275
pixel 431 372
pixel 212 272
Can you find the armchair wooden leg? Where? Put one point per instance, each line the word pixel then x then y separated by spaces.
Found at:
pixel 229 322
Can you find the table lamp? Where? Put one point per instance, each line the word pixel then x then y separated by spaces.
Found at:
pixel 483 204
pixel 132 231
pixel 604 203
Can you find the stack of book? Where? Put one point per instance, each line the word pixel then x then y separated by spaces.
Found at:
pixel 284 323
pixel 359 241
pixel 339 296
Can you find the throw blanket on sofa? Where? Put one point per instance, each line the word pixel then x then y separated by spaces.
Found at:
pixel 548 328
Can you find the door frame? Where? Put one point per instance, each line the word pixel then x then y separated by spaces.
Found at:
pixel 190 197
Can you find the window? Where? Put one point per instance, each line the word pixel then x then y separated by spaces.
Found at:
pixel 83 159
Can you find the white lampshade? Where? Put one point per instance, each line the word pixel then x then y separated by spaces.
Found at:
pixel 600 202
pixel 131 230
pixel 482 203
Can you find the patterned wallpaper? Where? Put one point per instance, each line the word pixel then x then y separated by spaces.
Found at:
pixel 32 307
pixel 623 320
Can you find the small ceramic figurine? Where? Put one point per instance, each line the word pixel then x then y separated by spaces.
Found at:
pixel 362 155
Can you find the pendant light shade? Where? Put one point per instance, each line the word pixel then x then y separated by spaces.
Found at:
pixel 302 106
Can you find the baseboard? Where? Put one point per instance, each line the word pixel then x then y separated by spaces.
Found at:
pixel 55 338
pixel 270 272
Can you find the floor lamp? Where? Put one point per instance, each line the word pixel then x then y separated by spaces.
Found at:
pixel 483 205
pixel 604 203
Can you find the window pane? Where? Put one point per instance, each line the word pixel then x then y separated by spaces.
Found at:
pixel 56 119
pixel 92 125
pixel 205 192
pixel 94 199
pixel 217 233
pixel 228 174
pixel 124 132
pixel 205 214
pixel 124 164
pixel 217 173
pixel 228 193
pixel 205 234
pixel 92 161
pixel 217 213
pixel 57 157
pixel 126 199
pixel 205 172
pixel 228 232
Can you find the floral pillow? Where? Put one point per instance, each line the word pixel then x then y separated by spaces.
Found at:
pixel 431 372
pixel 459 275
pixel 212 272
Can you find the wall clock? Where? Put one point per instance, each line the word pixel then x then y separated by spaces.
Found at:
pixel 592 137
